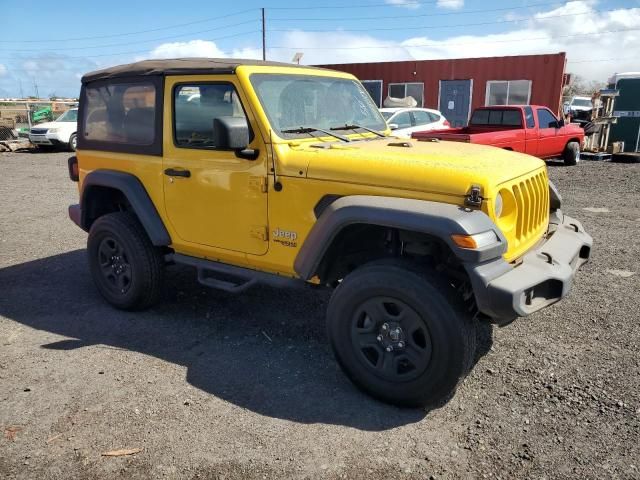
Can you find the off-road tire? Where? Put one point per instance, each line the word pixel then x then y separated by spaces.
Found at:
pixel 571 154
pixel 73 142
pixel 143 263
pixel 451 331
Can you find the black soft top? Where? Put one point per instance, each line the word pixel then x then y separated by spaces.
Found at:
pixel 176 66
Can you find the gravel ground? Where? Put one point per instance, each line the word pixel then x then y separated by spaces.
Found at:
pixel 211 385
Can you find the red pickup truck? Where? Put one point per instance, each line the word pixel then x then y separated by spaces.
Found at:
pixel 528 129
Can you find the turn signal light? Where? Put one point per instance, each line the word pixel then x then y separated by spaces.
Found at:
pixel 475 241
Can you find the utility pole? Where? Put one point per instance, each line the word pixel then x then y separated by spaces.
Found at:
pixel 21 92
pixel 264 37
pixel 35 85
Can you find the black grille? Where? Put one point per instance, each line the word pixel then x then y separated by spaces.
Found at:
pixel 38 131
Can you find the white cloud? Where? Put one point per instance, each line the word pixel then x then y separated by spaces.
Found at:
pixel 3 70
pixel 361 48
pixel 552 31
pixel 544 33
pixel 410 4
pixel 451 4
pixel 200 48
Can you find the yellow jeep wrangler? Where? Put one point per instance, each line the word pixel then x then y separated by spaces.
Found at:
pixel 255 171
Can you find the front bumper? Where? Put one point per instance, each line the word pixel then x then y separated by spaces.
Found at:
pixel 45 139
pixel 540 278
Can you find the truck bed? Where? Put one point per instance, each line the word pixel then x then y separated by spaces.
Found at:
pixel 496 135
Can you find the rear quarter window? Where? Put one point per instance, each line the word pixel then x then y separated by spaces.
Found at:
pixel 507 118
pixel 121 116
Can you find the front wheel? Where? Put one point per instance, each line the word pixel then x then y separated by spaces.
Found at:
pixel 401 335
pixel 73 142
pixel 571 154
pixel 126 268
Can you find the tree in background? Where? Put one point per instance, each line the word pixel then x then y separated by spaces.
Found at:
pixel 580 86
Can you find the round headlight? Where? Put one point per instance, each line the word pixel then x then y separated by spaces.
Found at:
pixel 498 206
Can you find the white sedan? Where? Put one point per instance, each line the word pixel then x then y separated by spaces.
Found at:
pixel 405 121
pixel 60 132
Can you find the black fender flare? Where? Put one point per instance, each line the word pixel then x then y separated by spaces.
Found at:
pixel 440 220
pixel 136 195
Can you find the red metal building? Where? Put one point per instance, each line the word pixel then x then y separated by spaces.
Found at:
pixel 457 86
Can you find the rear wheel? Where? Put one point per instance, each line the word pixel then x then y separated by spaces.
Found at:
pixel 401 335
pixel 126 268
pixel 571 154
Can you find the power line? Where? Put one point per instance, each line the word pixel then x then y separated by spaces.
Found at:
pixel 603 60
pixel 385 17
pixel 133 33
pixel 454 44
pixel 128 52
pixel 366 5
pixel 438 27
pixel 144 41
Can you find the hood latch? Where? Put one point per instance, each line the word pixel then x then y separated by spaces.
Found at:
pixel 473 198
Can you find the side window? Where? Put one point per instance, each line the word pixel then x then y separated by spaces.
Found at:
pixel 422 118
pixel 528 115
pixel 121 113
pixel 546 119
pixel 196 105
pixel 512 118
pixel 402 119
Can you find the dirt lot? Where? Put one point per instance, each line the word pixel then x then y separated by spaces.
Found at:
pixel 211 385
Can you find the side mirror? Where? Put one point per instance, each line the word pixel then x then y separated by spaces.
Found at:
pixel 561 123
pixel 393 126
pixel 230 133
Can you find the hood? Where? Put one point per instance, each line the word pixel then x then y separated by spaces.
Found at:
pixel 449 168
pixel 47 125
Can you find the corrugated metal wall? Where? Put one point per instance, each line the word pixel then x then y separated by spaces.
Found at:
pixel 545 71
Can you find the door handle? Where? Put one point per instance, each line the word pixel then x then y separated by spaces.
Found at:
pixel 174 172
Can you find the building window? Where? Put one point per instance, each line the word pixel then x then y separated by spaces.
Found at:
pixel 402 90
pixel 374 87
pixel 508 92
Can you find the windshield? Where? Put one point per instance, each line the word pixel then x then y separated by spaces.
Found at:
pixel 68 116
pixel 387 115
pixel 581 102
pixel 294 101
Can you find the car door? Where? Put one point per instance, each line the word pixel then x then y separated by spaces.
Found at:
pixel 548 134
pixel 213 197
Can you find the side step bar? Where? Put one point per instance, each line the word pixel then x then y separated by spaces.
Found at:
pixel 229 278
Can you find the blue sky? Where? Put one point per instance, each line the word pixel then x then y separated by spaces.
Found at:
pixel 54 45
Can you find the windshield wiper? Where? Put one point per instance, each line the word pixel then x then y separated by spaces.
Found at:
pixel 355 127
pixel 310 130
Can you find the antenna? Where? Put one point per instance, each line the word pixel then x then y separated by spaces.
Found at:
pixel 277 186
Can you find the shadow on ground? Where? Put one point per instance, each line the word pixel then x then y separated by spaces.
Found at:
pixel 264 350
